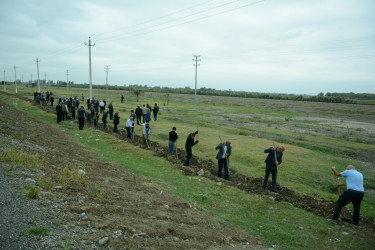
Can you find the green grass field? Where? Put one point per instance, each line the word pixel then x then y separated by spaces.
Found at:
pixel 316 135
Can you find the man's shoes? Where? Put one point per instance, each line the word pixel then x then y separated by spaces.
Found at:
pixel 333 221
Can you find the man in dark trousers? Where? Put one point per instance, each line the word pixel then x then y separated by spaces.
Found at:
pixel 59 112
pixel 104 119
pixel 225 150
pixel 274 158
pixel 354 193
pixel 172 140
pixel 81 117
pixel 116 122
pixel 138 112
pixel 188 145
pixel 155 111
pixel 52 99
pixel 122 98
pixel 110 111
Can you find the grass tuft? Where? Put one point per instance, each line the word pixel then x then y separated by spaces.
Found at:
pixel 36 231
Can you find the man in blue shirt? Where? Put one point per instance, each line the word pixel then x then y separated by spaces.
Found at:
pixel 354 193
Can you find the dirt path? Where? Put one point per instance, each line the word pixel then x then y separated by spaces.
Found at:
pixel 131 213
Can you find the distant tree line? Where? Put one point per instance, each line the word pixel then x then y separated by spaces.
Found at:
pixel 350 98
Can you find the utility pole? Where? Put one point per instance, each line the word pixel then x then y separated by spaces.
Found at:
pixel 45 78
pixel 67 80
pixel 106 69
pixel 5 88
pixel 37 67
pixel 90 65
pixel 15 77
pixel 196 70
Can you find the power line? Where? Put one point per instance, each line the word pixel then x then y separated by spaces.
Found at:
pixel 90 73
pixel 67 80
pixel 37 68
pixel 154 19
pixel 196 71
pixel 106 69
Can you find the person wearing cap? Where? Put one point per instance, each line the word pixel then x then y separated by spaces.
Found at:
pixel 172 140
pixel 225 150
pixel 274 159
pixel 354 193
pixel 188 145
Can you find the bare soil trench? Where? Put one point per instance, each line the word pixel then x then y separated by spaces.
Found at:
pixel 247 183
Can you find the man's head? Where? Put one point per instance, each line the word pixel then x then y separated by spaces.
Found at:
pixel 227 143
pixel 280 149
pixel 132 118
pixel 350 167
pixel 174 128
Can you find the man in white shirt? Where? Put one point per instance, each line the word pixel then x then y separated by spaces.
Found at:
pixel 129 126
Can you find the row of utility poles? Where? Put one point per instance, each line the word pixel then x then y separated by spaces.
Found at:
pixel 196 59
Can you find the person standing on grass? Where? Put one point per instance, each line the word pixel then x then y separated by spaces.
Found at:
pixel 73 111
pixel 59 112
pixel 354 193
pixel 146 129
pixel 148 116
pixel 52 100
pixel 122 98
pixel 225 150
pixel 101 107
pixel 138 113
pixel 144 111
pixel 104 119
pixel 81 117
pixel 172 140
pixel 156 111
pixel 274 159
pixel 110 110
pixel 188 145
pixel 116 121
pixel 129 127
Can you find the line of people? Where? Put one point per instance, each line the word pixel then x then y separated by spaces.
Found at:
pixel 354 179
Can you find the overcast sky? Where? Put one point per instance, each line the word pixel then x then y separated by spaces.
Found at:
pixel 276 46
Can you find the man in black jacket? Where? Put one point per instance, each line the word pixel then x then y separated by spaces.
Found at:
pixel 110 110
pixel 156 111
pixel 138 112
pixel 116 122
pixel 81 117
pixel 59 112
pixel 188 145
pixel 172 140
pixel 274 159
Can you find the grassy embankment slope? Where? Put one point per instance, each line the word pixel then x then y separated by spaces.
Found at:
pixel 252 125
